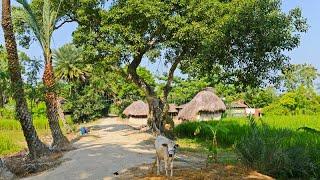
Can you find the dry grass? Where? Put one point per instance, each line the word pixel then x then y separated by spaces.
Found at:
pixel 215 171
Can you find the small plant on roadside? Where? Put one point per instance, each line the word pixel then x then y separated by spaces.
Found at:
pixel 213 148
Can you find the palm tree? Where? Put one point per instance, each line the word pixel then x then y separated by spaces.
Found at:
pixel 43 30
pixel 36 147
pixel 69 65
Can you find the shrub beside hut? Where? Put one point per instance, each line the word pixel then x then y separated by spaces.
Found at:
pixel 137 112
pixel 206 105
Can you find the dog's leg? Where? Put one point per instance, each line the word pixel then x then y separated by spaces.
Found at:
pixel 166 166
pixel 171 168
pixel 158 166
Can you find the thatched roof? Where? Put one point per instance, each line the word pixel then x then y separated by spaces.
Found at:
pixel 137 108
pixel 172 108
pixel 238 104
pixel 181 106
pixel 206 101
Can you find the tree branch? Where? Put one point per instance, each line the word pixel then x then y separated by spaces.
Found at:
pixel 134 77
pixel 65 21
pixel 167 87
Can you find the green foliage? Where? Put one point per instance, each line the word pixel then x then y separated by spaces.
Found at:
pixel 9 122
pixel 254 97
pixel 7 146
pixel 310 130
pixel 259 98
pixel 213 129
pixel 11 137
pixel 69 65
pixel 123 92
pixel 297 75
pixel 4 78
pixel 43 27
pixel 88 104
pixel 239 51
pixel 271 145
pixel 227 133
pixel 8 111
pixel 280 153
pixel 300 101
pixel 183 90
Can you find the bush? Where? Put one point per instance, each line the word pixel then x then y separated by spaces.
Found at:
pixel 301 101
pixel 8 112
pixel 280 152
pixel 235 132
pixel 88 106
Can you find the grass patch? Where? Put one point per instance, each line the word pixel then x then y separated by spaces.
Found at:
pixel 7 146
pixel 276 147
pixel 191 145
pixel 12 139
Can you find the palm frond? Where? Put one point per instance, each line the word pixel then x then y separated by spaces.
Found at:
pixel 42 30
pixel 31 20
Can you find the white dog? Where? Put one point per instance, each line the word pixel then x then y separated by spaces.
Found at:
pixel 166 150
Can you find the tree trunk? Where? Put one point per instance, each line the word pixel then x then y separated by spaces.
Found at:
pixel 155 112
pixel 36 147
pixel 159 117
pixel 60 142
pixel 62 117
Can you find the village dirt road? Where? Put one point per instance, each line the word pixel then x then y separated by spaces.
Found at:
pixel 111 147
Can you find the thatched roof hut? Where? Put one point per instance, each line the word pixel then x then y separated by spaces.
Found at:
pixel 205 105
pixel 181 106
pixel 173 108
pixel 137 109
pixel 238 109
pixel 239 104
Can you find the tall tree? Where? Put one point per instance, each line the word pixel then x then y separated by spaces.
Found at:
pixel 68 64
pixel 204 37
pixel 297 75
pixel 248 48
pixel 36 147
pixel 43 29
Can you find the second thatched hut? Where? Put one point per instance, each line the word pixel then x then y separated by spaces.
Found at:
pixel 206 105
pixel 137 112
pixel 173 112
pixel 238 108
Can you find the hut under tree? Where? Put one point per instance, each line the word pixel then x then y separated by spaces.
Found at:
pixel 137 112
pixel 238 108
pixel 173 112
pixel 179 108
pixel 206 105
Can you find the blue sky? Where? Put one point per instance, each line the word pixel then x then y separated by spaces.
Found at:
pixel 307 52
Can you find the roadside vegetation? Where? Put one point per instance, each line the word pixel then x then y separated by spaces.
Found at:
pixel 238 47
pixel 11 137
pixel 279 146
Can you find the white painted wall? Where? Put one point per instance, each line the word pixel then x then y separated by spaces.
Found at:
pixel 206 116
